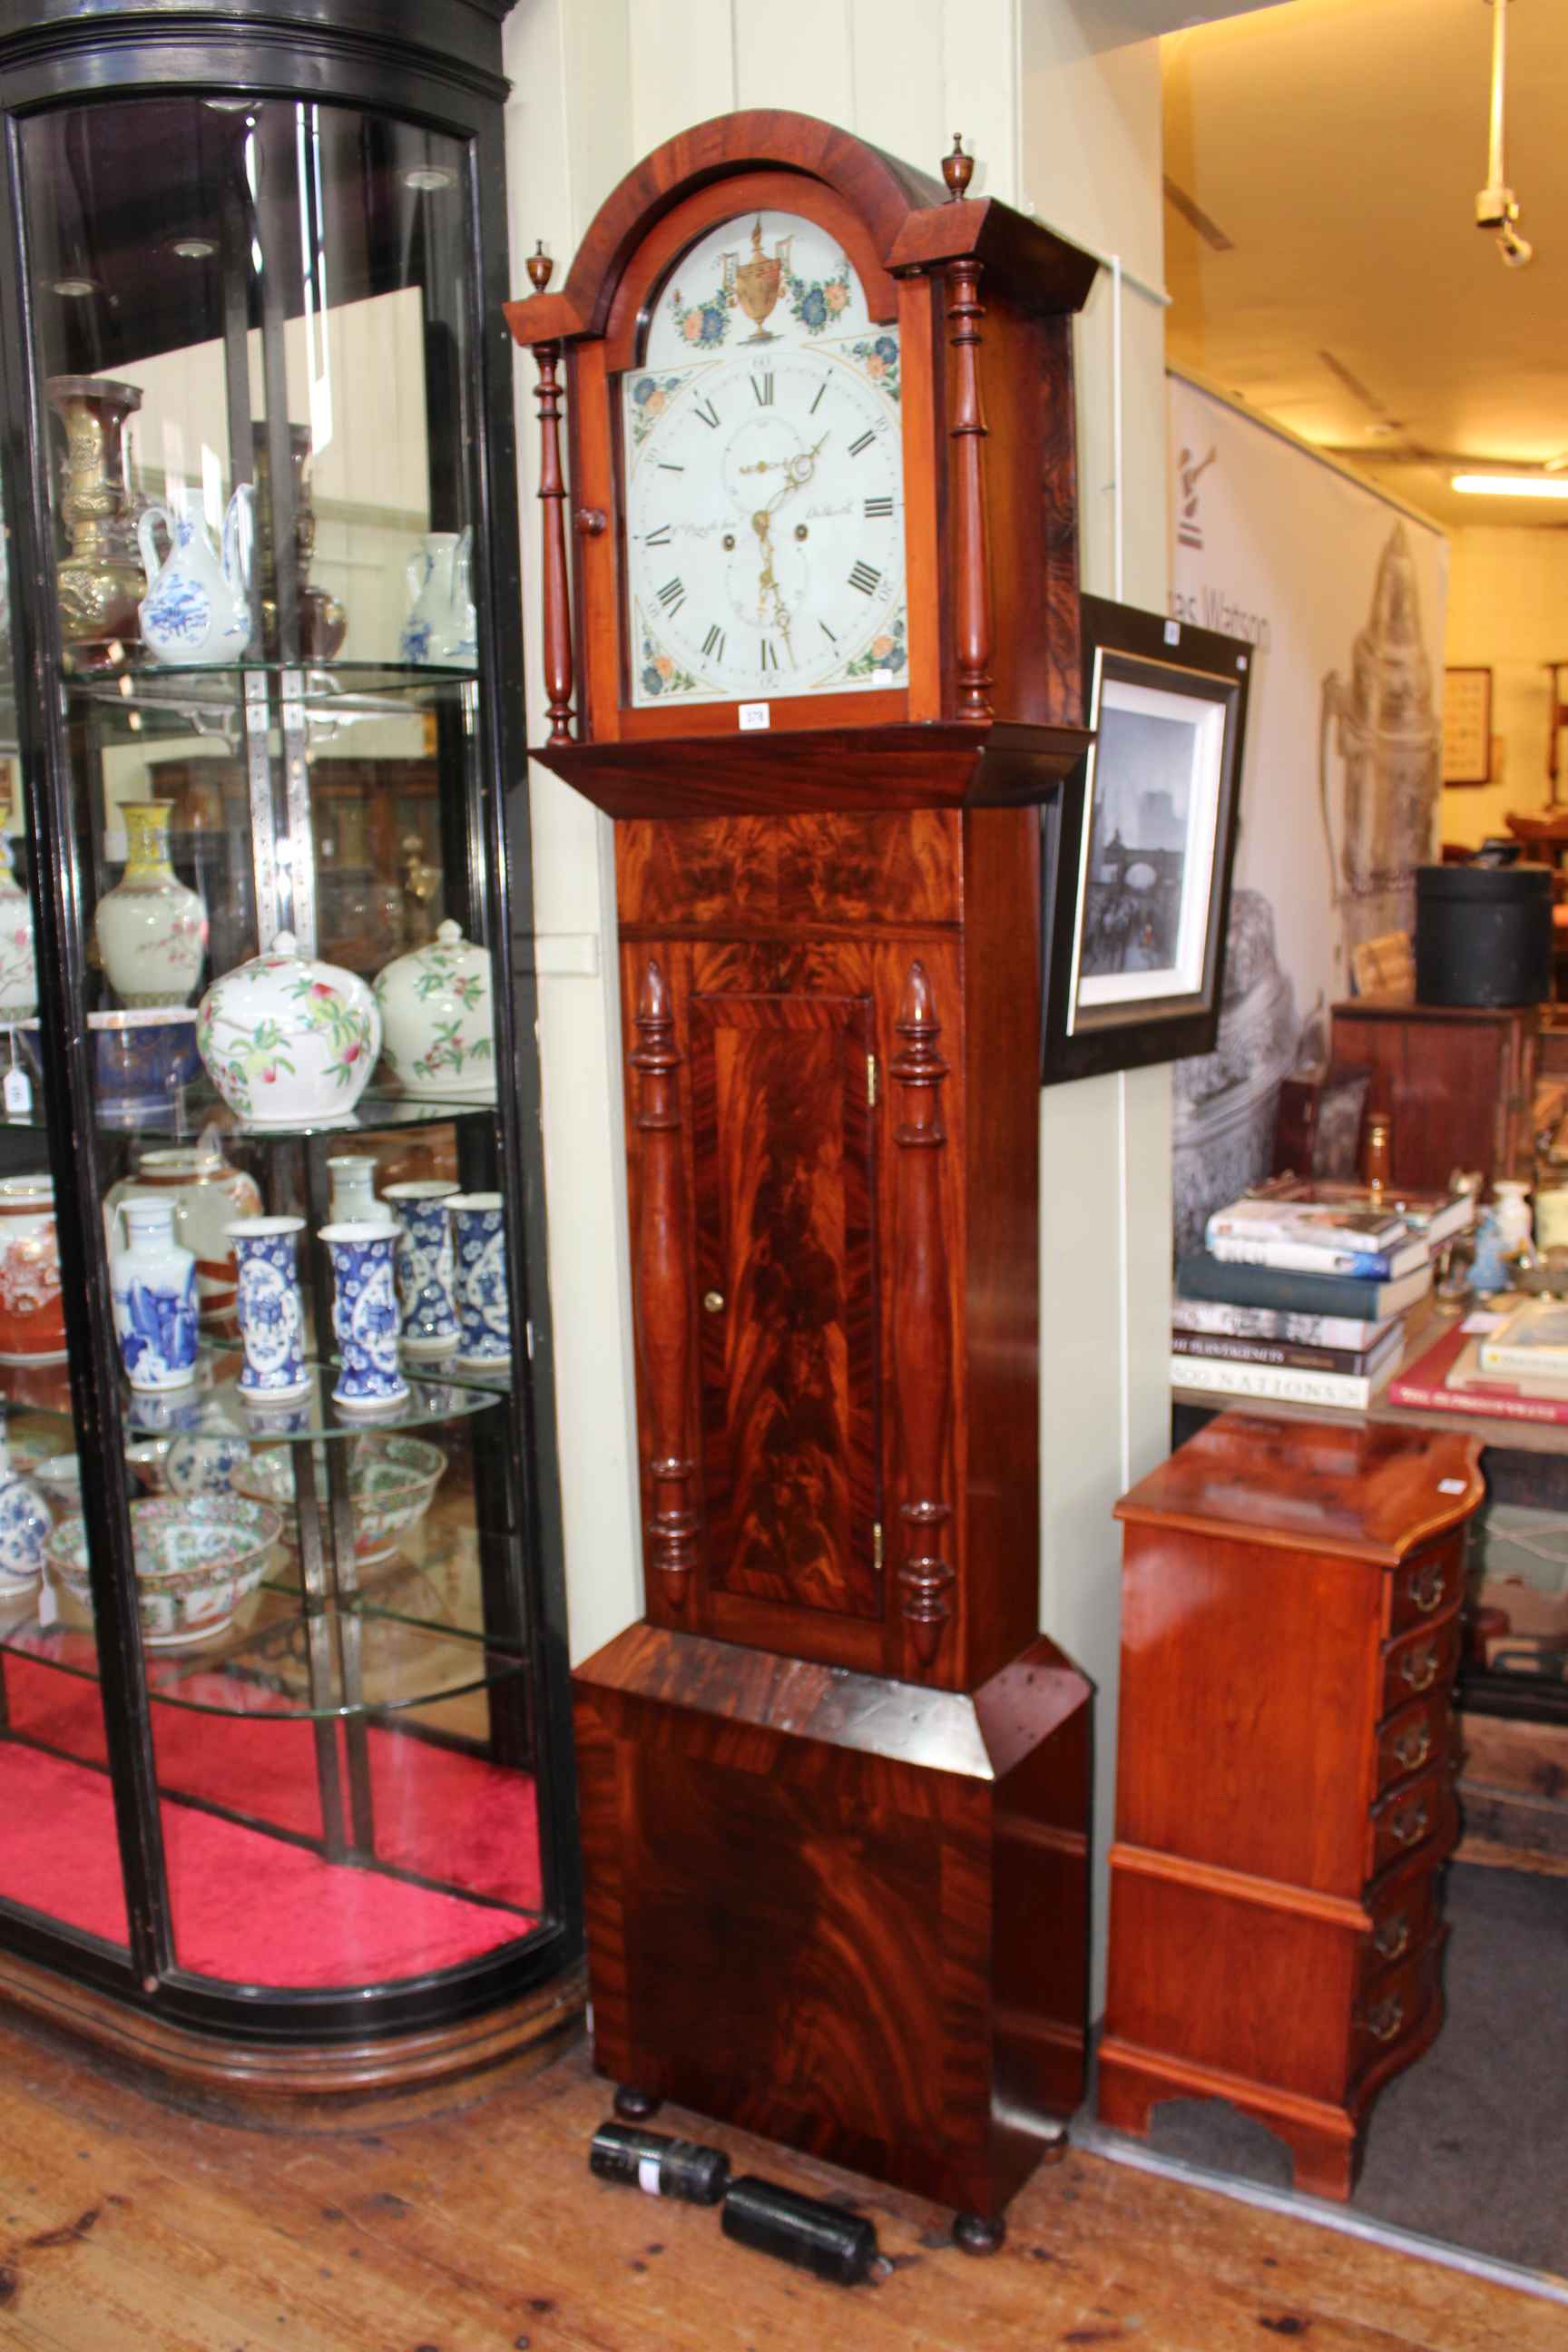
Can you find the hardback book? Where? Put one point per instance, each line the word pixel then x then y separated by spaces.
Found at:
pixel 1203 1276
pixel 1353 1363
pixel 1436 1216
pixel 1428 1386
pixel 1309 1222
pixel 1530 1344
pixel 1321 1257
pixel 1217 1318
pixel 1276 1384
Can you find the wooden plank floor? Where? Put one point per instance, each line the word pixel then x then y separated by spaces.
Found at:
pixel 127 2227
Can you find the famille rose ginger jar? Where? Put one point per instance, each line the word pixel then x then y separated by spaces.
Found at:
pixel 32 1311
pixel 288 1041
pixel 437 1021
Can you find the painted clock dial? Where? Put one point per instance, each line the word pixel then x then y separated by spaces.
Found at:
pixel 765 475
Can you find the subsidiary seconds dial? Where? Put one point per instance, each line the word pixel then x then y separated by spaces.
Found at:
pixel 764 526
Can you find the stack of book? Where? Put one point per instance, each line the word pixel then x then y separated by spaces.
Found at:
pixel 1514 1365
pixel 1301 1299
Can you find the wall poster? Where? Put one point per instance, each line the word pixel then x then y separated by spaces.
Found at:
pixel 1344 596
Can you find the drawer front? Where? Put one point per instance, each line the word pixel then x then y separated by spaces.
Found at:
pixel 1426 1587
pixel 1418 1662
pixel 1402 1921
pixel 1394 2004
pixel 1417 1737
pixel 1403 1821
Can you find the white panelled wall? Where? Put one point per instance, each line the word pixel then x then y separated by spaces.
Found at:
pixel 1074 134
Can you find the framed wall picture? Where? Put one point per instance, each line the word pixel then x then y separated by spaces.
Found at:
pixel 1138 845
pixel 1467 726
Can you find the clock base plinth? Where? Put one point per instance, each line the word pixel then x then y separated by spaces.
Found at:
pixel 847 1913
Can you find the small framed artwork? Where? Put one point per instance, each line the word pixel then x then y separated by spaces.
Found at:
pixel 1138 842
pixel 1467 726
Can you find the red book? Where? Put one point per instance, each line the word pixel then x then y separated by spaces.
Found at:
pixel 1424 1384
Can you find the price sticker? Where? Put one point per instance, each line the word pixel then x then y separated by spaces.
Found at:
pixel 648 2176
pixel 17 1094
pixel 1451 1485
pixel 754 716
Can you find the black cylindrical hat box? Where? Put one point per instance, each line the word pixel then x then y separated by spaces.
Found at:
pixel 1483 934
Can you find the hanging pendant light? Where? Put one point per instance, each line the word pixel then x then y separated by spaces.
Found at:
pixel 1496 207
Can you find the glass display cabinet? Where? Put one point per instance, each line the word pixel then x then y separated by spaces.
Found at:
pixel 284 1765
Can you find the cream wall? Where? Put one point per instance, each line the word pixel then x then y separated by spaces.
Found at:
pixel 1508 612
pixel 1074 135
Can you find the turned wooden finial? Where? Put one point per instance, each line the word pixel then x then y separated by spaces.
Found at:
pixel 541 269
pixel 957 169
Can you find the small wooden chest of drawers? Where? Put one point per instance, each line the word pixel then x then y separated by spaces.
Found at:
pixel 1290 1629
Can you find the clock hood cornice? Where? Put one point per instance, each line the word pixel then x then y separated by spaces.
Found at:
pixel 912 221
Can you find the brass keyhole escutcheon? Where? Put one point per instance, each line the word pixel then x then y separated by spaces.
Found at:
pixel 713 1301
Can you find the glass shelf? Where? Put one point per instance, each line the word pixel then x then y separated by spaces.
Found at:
pixel 213 1405
pixel 189 693
pixel 264 1667
pixel 194 1109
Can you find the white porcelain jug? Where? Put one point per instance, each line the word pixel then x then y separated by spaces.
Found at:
pixel 442 625
pixel 197 605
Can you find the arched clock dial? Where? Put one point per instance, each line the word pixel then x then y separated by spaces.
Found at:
pixel 765 522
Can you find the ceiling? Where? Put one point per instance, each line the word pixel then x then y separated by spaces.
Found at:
pixel 1323 158
pixel 1107 23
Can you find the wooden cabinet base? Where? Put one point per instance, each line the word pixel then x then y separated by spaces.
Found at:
pixel 1326 2141
pixel 341 2087
pixel 838 1910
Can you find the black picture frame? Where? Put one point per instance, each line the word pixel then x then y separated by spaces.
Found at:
pixel 1162 918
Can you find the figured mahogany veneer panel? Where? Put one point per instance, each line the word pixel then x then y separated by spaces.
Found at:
pixel 726 875
pixel 786 1267
pixel 853 1928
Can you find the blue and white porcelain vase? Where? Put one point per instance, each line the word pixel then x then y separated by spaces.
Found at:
pixel 197 605
pixel 442 626
pixel 484 1309
pixel 26 1523
pixel 427 1266
pixel 365 1315
pixel 153 1287
pixel 200 1464
pixel 270 1309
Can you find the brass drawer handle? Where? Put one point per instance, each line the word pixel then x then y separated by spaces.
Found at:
pixel 1420 1669
pixel 1429 1589
pixel 1392 1937
pixel 1408 1828
pixel 713 1300
pixel 1384 2022
pixel 1415 1748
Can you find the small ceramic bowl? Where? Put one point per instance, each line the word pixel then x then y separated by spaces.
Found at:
pixel 196 1562
pixel 392 1482
pixel 59 1477
pixel 202 1462
pixel 141 1058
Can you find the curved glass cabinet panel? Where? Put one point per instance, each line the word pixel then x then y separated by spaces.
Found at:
pixel 283 1745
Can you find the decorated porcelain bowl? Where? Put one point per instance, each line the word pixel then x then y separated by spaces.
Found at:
pixel 437 1021
pixel 196 1562
pixel 392 1482
pixel 287 1039
pixel 141 1058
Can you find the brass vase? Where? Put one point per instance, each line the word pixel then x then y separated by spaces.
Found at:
pixel 99 582
pixel 323 623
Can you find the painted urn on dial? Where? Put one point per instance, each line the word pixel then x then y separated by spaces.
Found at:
pixel 287 1039
pixel 437 1019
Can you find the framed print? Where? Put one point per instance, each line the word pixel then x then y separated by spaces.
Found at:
pixel 1467 726
pixel 1138 845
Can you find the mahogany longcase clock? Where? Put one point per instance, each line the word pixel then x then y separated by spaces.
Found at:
pixel 823 616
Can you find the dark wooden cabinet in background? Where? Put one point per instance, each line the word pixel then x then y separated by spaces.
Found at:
pixel 1291 1629
pixel 835 1790
pixel 1458 1080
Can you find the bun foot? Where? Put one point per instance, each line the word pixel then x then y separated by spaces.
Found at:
pixel 635 2106
pixel 971 2234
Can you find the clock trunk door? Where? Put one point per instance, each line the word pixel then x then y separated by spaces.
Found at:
pixel 786 1243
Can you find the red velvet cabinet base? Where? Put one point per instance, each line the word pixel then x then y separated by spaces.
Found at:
pixel 1290 1607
